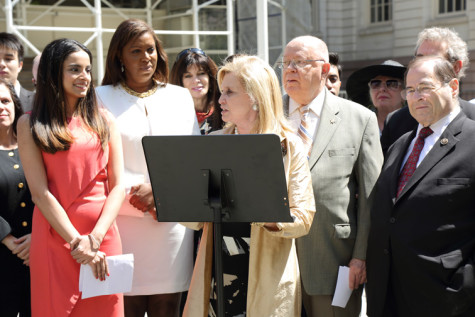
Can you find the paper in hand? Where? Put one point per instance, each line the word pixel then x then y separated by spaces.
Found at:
pixel 342 291
pixel 121 270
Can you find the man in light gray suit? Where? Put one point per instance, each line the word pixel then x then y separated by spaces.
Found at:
pixel 11 63
pixel 345 160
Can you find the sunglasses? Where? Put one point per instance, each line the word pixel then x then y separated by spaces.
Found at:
pixel 391 84
pixel 190 50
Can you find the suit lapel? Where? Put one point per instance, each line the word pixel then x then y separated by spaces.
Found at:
pixel 328 123
pixel 446 142
pixel 285 101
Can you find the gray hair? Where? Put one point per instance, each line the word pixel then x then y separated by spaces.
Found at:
pixel 456 47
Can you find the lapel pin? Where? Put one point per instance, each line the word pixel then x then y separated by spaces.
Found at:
pixel 332 121
pixel 444 141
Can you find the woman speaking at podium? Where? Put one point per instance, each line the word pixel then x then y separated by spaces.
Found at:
pixel 259 259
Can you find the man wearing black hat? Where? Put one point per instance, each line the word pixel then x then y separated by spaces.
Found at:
pixel 384 82
pixel 438 42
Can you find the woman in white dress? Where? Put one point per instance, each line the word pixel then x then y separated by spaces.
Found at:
pixel 136 91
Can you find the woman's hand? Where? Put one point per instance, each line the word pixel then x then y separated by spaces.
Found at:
pixel 22 248
pixel 142 197
pixel 99 266
pixel 9 242
pixel 271 226
pixel 81 249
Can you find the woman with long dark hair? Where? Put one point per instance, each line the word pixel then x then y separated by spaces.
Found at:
pixel 72 157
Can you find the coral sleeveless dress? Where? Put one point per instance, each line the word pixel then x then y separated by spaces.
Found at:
pixel 78 180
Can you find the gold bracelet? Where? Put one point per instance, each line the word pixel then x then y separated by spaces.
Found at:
pixel 93 241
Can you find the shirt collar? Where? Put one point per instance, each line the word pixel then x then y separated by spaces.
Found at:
pixel 439 127
pixel 316 105
pixel 17 88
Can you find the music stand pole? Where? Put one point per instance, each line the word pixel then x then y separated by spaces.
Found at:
pixel 216 205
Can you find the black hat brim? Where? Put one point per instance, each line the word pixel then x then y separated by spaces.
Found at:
pixel 357 84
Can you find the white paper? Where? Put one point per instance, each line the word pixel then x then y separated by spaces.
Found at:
pixel 121 270
pixel 342 291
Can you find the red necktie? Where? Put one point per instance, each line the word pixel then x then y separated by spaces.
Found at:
pixel 411 162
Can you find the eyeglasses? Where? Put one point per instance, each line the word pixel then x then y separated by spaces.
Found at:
pixel 422 89
pixel 297 63
pixel 190 50
pixel 391 84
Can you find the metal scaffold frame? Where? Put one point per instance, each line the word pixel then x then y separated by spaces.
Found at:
pixel 97 31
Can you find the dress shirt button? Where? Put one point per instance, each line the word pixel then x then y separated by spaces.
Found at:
pixel 386 251
pixel 24 223
pixel 16 166
pixel 392 220
pixel 22 204
pixel 20 185
pixel 11 153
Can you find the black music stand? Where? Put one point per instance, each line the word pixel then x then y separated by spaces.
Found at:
pixel 217 178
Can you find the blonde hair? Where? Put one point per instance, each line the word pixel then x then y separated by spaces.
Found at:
pixel 261 84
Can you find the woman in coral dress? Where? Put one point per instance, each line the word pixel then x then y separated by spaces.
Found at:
pixel 72 157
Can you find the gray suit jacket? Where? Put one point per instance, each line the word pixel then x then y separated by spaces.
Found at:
pixel 26 98
pixel 345 163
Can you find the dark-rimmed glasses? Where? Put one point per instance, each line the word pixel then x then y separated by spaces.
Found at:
pixel 297 63
pixel 391 84
pixel 190 50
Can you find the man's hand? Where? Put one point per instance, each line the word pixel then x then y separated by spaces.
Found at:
pixel 357 273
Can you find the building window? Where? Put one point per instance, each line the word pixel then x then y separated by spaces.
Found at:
pixel 452 6
pixel 381 11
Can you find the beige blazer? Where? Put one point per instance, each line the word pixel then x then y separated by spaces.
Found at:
pixel 345 162
pixel 274 280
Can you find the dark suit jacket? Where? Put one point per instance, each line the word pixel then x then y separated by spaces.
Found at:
pixel 425 239
pixel 26 98
pixel 400 121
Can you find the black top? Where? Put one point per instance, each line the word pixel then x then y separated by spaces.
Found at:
pixel 16 209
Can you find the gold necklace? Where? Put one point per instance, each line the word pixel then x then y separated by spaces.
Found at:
pixel 145 94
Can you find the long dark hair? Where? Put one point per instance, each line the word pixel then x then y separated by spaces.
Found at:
pixel 206 64
pixel 18 111
pixel 48 118
pixel 127 31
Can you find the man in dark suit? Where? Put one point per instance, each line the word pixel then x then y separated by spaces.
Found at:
pixel 11 63
pixel 421 247
pixel 431 41
pixel 345 159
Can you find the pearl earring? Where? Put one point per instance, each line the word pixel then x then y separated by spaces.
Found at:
pixel 255 108
pixel 122 67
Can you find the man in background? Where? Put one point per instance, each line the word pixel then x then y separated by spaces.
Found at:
pixel 334 75
pixel 11 63
pixel 434 41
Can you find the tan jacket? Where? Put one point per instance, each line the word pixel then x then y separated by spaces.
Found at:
pixel 274 277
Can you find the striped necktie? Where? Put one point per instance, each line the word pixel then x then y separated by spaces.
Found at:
pixel 303 131
pixel 412 160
